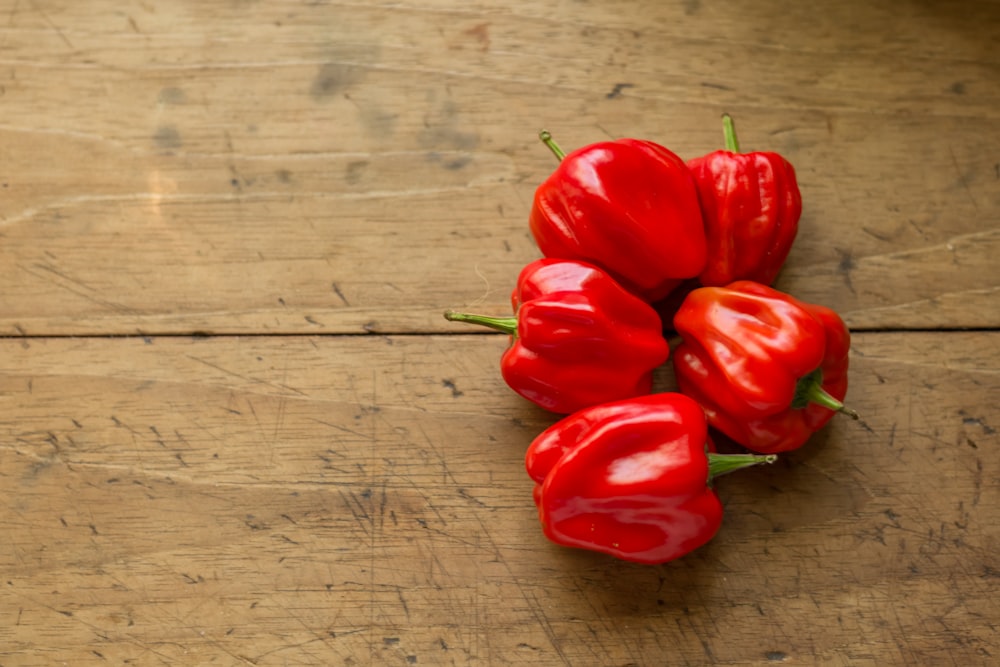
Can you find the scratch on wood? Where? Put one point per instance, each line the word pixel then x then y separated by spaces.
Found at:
pixel 75 286
pixel 357 510
pixel 402 602
pixel 963 179
pixel 340 294
pixel 935 303
pixel 617 90
pixel 977 483
pixel 976 421
pixel 339 428
pixel 876 235
pixel 48 21
pixel 448 383
pixel 160 197
pixel 244 377
pixel 846 265
pixel 383 501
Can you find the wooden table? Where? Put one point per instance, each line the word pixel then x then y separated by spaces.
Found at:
pixel 236 430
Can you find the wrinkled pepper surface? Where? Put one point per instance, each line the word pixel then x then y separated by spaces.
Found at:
pixel 751 205
pixel 769 370
pixel 628 206
pixel 578 338
pixel 631 478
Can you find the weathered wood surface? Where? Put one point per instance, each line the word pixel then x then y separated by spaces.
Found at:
pixel 275 174
pixel 239 166
pixel 325 500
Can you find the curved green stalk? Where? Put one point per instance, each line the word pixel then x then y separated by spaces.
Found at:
pixel 507 325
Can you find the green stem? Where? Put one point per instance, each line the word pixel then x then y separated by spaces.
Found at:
pixel 547 139
pixel 721 464
pixel 729 132
pixel 507 325
pixel 810 390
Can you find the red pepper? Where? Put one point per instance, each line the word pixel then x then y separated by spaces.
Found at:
pixel 769 370
pixel 578 337
pixel 751 203
pixel 627 206
pixel 631 478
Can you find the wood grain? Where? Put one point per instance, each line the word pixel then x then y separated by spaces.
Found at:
pixel 166 172
pixel 236 430
pixel 358 500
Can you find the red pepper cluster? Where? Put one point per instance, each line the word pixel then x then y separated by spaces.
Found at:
pixel 637 241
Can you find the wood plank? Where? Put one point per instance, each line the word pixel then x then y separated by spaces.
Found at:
pixel 357 500
pixel 272 167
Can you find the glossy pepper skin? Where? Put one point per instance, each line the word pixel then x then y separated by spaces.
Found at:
pixel 769 370
pixel 628 206
pixel 751 205
pixel 631 479
pixel 578 337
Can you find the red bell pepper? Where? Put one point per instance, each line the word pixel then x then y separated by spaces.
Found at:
pixel 578 337
pixel 631 478
pixel 628 206
pixel 751 203
pixel 769 370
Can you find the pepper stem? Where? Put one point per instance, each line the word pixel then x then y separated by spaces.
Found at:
pixel 810 390
pixel 729 133
pixel 721 464
pixel 507 325
pixel 547 139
